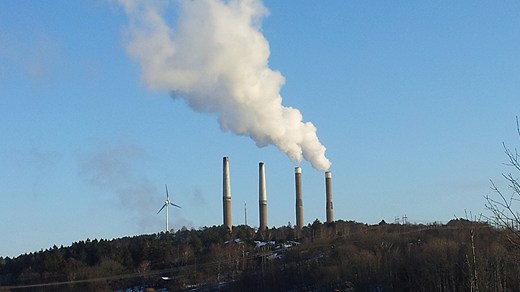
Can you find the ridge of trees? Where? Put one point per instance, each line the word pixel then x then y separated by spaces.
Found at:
pixel 461 255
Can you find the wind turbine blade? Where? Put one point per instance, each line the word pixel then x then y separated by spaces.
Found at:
pixel 161 208
pixel 175 205
pixel 167 195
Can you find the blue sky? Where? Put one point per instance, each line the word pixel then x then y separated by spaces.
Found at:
pixel 411 99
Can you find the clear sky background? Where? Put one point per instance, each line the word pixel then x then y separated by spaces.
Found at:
pixel 412 99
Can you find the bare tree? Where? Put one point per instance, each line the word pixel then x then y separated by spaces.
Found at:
pixel 503 206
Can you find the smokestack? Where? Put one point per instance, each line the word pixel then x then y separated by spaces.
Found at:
pixel 328 195
pixel 299 200
pixel 262 197
pixel 227 195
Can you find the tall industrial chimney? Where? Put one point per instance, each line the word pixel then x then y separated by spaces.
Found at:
pixel 299 200
pixel 227 196
pixel 328 195
pixel 262 197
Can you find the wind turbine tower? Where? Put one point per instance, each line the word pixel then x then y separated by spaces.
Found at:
pixel 167 204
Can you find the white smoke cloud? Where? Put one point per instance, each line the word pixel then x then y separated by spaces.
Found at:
pixel 216 58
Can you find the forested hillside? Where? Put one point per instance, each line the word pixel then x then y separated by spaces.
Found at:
pixel 459 256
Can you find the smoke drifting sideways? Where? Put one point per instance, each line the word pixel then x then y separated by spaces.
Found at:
pixel 215 57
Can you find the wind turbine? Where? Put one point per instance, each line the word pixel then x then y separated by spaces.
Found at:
pixel 167 203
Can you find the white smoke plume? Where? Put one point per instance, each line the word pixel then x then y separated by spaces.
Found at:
pixel 215 57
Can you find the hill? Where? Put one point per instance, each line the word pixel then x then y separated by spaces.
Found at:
pixel 349 256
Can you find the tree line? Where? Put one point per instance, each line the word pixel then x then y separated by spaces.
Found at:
pixel 461 255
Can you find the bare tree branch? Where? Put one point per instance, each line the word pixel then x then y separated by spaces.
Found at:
pixel 502 206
